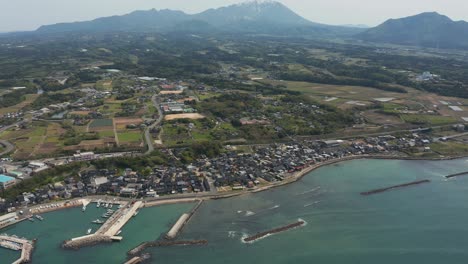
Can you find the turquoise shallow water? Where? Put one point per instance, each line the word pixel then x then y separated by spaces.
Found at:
pixel 58 226
pixel 418 224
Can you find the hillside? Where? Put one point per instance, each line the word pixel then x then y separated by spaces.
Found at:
pixel 426 30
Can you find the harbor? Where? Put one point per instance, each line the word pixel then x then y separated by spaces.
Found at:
pixel 109 230
pixel 18 244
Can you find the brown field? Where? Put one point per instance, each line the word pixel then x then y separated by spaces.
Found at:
pixel 170 92
pixel 184 116
pixel 121 123
pixel 80 113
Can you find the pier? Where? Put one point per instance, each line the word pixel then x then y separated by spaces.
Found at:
pixel 457 175
pixel 394 187
pixel 108 231
pixel 274 231
pixel 15 243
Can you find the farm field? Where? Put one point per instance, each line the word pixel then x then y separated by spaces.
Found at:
pixel 183 116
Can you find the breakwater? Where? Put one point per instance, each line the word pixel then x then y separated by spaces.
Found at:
pixel 183 220
pixel 274 231
pixel 85 241
pixel 15 243
pixel 394 187
pixel 140 248
pixel 456 175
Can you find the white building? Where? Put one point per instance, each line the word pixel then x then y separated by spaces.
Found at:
pixel 7 219
pixel 84 156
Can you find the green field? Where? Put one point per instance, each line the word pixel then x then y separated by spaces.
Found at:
pixel 428 119
pixel 129 137
pixel 450 148
pixel 101 123
pixel 107 133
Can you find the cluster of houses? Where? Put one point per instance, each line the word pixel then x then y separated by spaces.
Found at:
pixel 231 169
pixel 12 115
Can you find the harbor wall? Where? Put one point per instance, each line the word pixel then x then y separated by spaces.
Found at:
pixel 86 241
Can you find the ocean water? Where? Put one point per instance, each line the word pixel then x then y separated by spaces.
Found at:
pixel 418 224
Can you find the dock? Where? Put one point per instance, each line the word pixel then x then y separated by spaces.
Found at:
pixel 107 233
pixel 15 243
pixel 394 187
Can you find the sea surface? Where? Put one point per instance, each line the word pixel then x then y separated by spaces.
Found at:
pixel 427 223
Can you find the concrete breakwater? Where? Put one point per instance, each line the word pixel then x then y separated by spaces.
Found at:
pixel 274 231
pixel 85 241
pixel 15 243
pixel 456 175
pixel 394 187
pixel 183 220
pixel 143 246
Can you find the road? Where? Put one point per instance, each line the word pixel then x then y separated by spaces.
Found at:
pixel 148 137
pixel 8 146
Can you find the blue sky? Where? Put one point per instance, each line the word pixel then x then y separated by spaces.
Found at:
pixel 30 14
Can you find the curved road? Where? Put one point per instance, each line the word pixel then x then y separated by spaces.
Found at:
pixel 148 137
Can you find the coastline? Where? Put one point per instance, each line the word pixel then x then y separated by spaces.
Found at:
pixel 294 177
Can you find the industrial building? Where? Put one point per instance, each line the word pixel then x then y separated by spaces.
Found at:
pixel 6 181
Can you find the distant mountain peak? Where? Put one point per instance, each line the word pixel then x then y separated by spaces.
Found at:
pixel 429 29
pixel 251 17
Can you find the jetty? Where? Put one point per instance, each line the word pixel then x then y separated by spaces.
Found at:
pixel 260 235
pixel 17 244
pixel 108 232
pixel 395 187
pixel 457 175
pixel 183 220
pixel 143 246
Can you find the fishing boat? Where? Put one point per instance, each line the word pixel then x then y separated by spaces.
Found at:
pixel 98 221
pixel 136 213
pixel 84 208
pixel 39 217
pixel 89 231
pixel 31 219
pixel 118 233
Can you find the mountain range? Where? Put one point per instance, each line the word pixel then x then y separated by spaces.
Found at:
pixel 273 18
pixel 258 17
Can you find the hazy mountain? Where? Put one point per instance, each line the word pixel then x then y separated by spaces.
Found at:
pixel 260 17
pixel 426 30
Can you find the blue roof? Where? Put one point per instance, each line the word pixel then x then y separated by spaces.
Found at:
pixel 4 178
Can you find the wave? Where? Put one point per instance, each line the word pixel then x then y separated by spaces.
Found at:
pixel 309 191
pixel 311 204
pixel 249 213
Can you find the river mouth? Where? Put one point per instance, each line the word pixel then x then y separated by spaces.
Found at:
pixel 419 224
